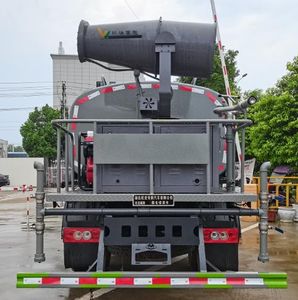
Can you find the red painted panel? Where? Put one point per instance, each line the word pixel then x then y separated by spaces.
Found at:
pixel 161 280
pixel 82 100
pixel 198 281
pixel 211 96
pixel 106 90
pixel 124 281
pixel 236 281
pixel 50 280
pixel 131 86
pixel 185 88
pixel 87 280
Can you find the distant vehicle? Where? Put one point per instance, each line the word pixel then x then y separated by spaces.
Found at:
pixel 4 180
pixel 17 154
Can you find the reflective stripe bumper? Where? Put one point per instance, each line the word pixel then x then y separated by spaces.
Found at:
pixel 152 280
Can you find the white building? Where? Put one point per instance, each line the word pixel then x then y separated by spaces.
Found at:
pixel 3 148
pixel 80 77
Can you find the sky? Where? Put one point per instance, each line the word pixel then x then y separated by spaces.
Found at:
pixel 263 31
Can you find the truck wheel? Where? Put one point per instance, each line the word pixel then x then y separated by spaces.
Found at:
pixel 222 256
pixel 79 257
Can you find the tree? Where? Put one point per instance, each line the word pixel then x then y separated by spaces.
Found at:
pixel 13 148
pixel 39 136
pixel 216 80
pixel 274 136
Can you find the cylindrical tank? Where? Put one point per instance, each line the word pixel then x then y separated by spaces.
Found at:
pixel 133 45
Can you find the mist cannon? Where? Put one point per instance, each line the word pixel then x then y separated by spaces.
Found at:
pixel 133 45
pixel 159 47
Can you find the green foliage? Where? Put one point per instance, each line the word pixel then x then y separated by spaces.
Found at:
pixel 274 136
pixel 39 137
pixel 13 148
pixel 216 80
pixel 289 82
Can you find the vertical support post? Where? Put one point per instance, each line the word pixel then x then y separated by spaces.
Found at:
pixel 202 253
pixel 39 224
pixel 136 74
pixel 72 162
pixel 287 195
pixel 66 154
pixel 263 225
pixel 165 46
pixel 208 173
pixel 100 252
pixel 58 179
pixel 95 167
pixel 230 157
pixel 233 159
pixel 151 179
pixel 242 158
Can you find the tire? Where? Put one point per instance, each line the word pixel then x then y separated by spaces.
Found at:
pixel 79 257
pixel 193 259
pixel 223 256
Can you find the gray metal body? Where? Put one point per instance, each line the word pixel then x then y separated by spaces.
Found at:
pixel 133 45
pixel 185 156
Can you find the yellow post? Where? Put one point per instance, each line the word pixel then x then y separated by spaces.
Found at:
pixel 287 195
pixel 276 194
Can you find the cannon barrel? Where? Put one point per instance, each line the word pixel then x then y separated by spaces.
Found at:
pixel 133 45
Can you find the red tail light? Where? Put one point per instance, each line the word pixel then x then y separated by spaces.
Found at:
pixel 221 235
pixel 80 235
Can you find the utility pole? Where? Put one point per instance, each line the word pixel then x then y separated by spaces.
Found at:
pixel 64 116
pixel 63 101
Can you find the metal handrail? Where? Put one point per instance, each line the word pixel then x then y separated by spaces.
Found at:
pixel 229 123
pixel 223 121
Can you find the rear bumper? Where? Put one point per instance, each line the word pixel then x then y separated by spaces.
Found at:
pixel 152 280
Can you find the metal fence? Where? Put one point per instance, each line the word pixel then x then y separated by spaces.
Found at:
pixel 283 189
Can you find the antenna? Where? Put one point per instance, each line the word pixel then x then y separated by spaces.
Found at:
pixel 61 49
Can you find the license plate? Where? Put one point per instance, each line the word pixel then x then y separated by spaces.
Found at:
pixel 153 200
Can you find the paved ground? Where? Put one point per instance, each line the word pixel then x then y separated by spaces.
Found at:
pixel 17 248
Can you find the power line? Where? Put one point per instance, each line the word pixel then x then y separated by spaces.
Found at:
pixel 23 82
pixel 16 108
pixel 130 8
pixel 24 95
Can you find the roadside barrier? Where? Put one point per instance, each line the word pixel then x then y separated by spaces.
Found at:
pixel 284 190
pixel 23 188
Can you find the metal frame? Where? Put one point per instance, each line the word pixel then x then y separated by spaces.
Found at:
pixel 151 211
pixel 41 212
pixel 147 279
pixel 187 225
pixel 88 197
pixel 209 122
